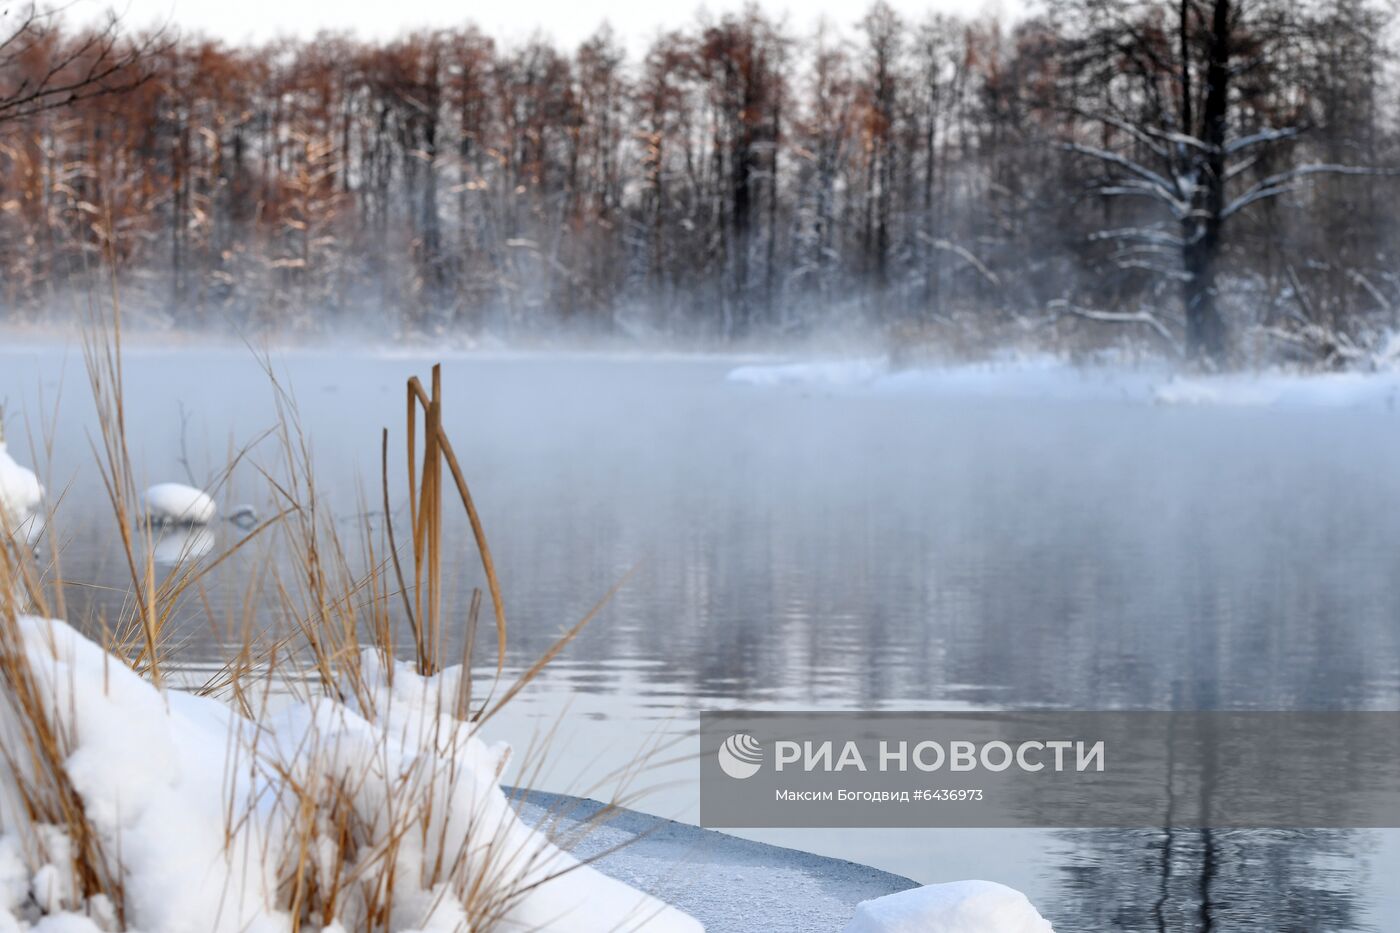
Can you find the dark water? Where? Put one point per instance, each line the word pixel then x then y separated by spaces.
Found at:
pixel 799 549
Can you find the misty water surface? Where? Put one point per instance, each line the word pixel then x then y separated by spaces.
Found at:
pixel 799 549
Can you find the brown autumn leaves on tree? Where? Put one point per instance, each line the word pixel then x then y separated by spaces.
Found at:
pixel 1177 173
pixel 45 67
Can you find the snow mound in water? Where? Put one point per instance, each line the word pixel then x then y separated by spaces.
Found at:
pixel 20 491
pixel 958 907
pixel 179 504
pixel 204 812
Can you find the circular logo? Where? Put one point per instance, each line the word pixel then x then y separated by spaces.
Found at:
pixel 740 756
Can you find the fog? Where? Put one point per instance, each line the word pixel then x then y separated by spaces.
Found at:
pixel 839 545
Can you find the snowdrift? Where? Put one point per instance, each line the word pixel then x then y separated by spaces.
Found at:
pixel 957 907
pixel 378 810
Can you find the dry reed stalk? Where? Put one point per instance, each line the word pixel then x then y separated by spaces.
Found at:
pixel 333 608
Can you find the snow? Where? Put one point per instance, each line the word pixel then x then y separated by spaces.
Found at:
pixel 1042 377
pixel 957 907
pixel 65 923
pixel 199 802
pixel 828 373
pixel 179 504
pixel 20 491
pixel 1377 390
pixel 1012 378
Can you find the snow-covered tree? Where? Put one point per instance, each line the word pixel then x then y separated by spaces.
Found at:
pixel 1172 105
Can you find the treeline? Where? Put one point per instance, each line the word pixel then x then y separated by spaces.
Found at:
pixel 1209 175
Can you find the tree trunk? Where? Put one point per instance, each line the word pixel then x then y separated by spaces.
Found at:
pixel 1205 329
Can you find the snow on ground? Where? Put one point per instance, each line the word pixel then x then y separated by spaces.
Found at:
pixel 1042 377
pixel 194 806
pixel 958 907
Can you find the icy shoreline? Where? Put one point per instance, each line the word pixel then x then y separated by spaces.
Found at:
pixel 729 884
pixel 735 885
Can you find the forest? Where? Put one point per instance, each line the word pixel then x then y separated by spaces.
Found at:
pixel 1209 180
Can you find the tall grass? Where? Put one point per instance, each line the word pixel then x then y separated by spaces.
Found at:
pixel 322 620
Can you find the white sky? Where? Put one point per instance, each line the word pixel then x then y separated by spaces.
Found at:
pixel 635 20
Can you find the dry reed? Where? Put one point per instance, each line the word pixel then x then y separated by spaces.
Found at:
pixel 334 611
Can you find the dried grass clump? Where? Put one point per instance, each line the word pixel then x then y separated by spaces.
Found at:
pixel 361 842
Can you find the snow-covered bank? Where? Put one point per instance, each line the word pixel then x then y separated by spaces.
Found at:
pixel 380 811
pixel 1379 390
pixel 1056 379
pixel 1012 378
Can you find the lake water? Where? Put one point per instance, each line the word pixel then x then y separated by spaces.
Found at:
pixel 801 548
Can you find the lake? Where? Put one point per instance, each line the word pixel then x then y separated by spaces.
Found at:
pixel 800 546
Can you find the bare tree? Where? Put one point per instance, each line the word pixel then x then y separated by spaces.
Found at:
pixel 43 67
pixel 1177 126
pixel 950 182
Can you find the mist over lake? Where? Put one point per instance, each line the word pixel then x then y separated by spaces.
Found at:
pixel 814 545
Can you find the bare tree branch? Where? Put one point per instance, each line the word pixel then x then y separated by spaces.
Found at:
pixel 964 253
pixel 1060 308
pixel 1282 183
pixel 97 63
pixel 1121 161
pixel 1271 135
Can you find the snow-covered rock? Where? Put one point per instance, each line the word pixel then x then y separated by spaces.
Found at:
pixel 957 907
pixel 209 811
pixel 20 491
pixel 179 504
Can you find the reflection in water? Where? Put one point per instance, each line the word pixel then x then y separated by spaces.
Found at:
pixel 180 543
pixel 801 550
pixel 1276 880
